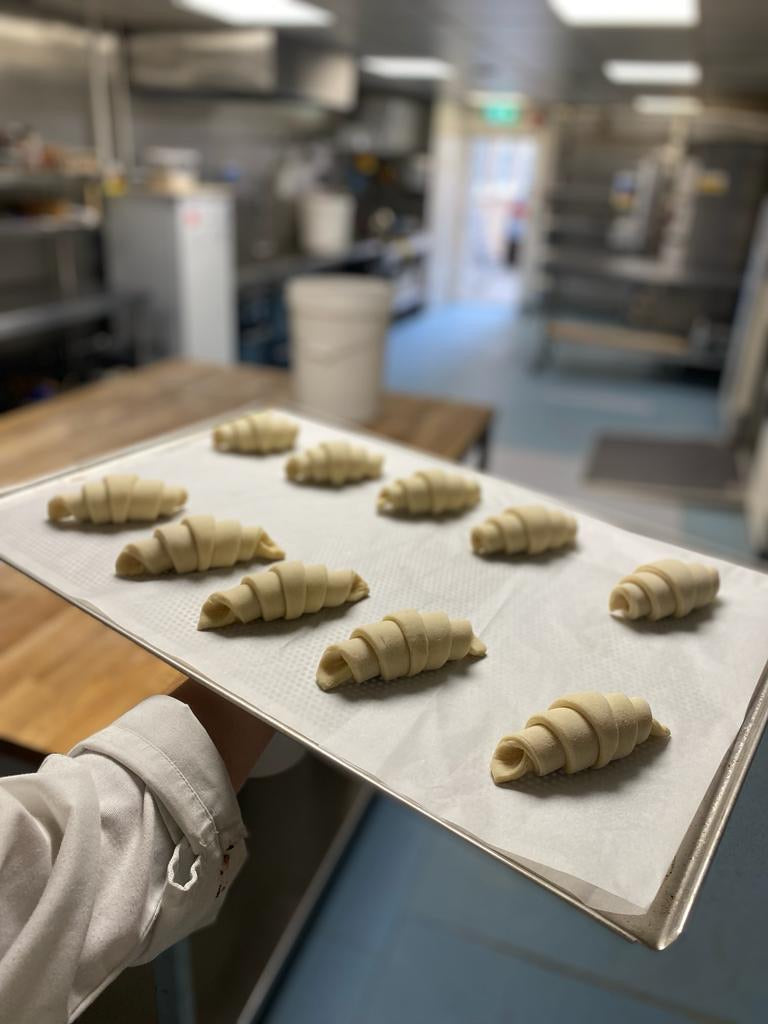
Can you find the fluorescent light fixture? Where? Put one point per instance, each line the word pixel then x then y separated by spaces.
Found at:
pixel 639 13
pixel 406 67
pixel 652 72
pixel 273 13
pixel 668 106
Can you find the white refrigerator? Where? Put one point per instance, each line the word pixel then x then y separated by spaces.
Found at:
pixel 177 253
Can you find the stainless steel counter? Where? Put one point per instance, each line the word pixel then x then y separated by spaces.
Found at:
pixel 25 320
pixel 637 270
pixel 274 271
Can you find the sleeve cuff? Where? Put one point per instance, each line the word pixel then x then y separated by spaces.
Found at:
pixel 162 742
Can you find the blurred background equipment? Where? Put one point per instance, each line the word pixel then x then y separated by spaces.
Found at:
pixel 338 327
pixel 757 496
pixel 326 223
pixel 174 244
pixel 713 470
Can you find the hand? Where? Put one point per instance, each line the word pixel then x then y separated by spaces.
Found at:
pixel 239 737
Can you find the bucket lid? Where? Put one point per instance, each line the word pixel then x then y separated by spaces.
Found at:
pixel 339 292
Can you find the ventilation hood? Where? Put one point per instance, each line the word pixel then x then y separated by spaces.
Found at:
pixel 251 62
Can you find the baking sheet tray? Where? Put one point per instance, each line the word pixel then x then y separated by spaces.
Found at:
pixel 428 743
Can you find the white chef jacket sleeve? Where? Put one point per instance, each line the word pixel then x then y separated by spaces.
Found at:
pixel 108 855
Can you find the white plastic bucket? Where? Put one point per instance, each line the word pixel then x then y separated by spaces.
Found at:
pixel 338 327
pixel 326 223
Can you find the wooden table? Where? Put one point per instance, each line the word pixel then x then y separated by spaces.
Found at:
pixel 63 675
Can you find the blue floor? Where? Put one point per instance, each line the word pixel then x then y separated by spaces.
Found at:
pixel 483 353
pixel 418 927
pixel 546 422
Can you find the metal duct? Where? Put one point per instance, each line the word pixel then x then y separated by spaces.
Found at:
pixel 254 62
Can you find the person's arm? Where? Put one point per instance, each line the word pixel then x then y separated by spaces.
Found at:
pixel 239 737
pixel 112 853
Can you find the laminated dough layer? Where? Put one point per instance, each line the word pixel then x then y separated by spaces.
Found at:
pixel 431 492
pixel 258 433
pixel 196 544
pixel 524 529
pixel 284 591
pixel 334 462
pixel 580 730
pixel 401 644
pixel 118 498
pixel 663 588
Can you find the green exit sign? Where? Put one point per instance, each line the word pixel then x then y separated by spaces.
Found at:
pixel 502 113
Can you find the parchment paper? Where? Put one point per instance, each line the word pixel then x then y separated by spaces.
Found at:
pixel 608 835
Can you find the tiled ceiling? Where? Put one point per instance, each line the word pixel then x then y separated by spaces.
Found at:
pixel 509 44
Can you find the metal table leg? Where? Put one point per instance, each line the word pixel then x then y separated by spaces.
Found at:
pixel 483 447
pixel 174 992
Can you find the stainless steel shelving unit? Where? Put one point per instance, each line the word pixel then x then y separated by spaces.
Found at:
pixel 44 225
pixel 53 297
pixel 27 320
pixel 645 237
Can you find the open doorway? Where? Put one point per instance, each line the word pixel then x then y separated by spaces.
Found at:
pixel 499 184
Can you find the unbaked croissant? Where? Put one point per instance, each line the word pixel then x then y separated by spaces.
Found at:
pixel 429 492
pixel 530 529
pixel 285 591
pixel 402 644
pixel 196 544
pixel 666 587
pixel 257 432
pixel 118 498
pixel 334 462
pixel 580 730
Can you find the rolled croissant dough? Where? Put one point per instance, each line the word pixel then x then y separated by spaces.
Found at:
pixel 284 591
pixel 196 544
pixel 580 730
pixel 528 529
pixel 401 644
pixel 664 588
pixel 334 462
pixel 259 433
pixel 429 492
pixel 118 498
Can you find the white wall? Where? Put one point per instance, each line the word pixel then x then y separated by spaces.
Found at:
pixel 446 198
pixel 453 128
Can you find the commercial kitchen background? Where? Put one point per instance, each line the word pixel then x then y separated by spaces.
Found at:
pixel 572 216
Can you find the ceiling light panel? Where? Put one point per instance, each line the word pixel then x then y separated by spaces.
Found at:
pixel 652 72
pixel 272 13
pixel 628 13
pixel 668 106
pixel 413 68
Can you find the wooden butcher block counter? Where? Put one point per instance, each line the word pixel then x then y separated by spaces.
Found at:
pixel 63 675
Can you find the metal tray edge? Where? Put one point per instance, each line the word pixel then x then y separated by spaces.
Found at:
pixel 664 920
